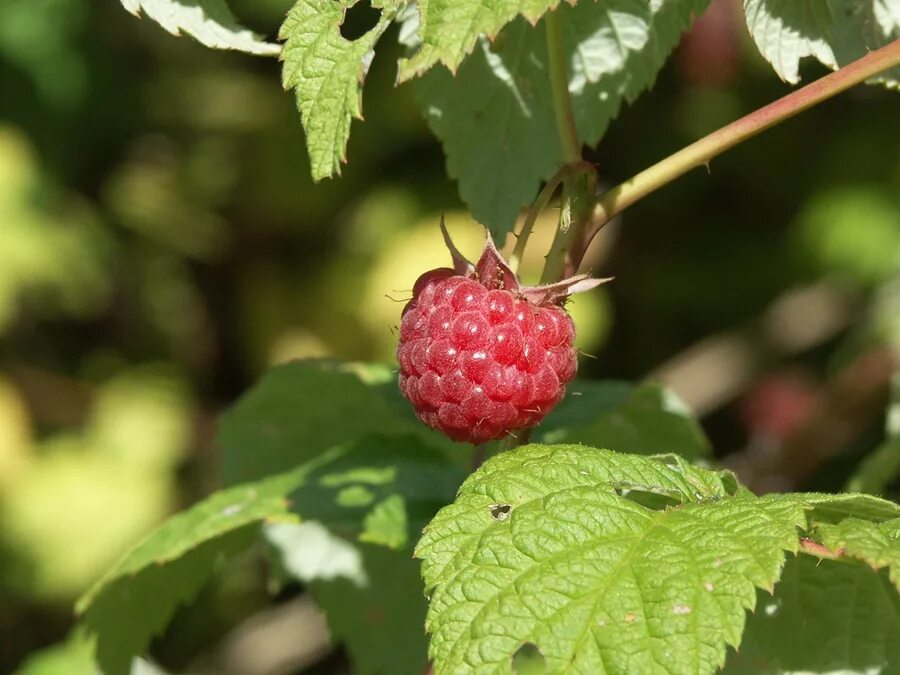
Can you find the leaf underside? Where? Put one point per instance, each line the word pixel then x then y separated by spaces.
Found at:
pixel 495 118
pixel 834 32
pixel 824 617
pixel 210 22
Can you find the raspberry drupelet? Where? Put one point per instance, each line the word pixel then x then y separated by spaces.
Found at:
pixel 482 356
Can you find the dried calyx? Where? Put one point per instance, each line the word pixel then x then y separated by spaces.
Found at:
pixel 493 272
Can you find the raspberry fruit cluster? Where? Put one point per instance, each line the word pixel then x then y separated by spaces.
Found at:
pixel 482 356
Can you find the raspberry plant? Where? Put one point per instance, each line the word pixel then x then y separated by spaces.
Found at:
pixel 609 544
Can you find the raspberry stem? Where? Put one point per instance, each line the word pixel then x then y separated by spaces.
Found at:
pixel 578 191
pixel 701 152
pixel 566 172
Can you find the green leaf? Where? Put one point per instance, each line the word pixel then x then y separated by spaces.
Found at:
pixel 876 544
pixel 825 617
pixel 548 545
pixel 645 419
pixel 382 490
pixel 834 32
pixel 302 408
pixel 833 508
pixel 138 597
pixel 343 488
pixel 380 621
pixel 616 51
pixel 210 22
pixel 495 119
pixel 327 72
pixel 449 29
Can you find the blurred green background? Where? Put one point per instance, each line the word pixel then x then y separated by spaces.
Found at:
pixel 161 244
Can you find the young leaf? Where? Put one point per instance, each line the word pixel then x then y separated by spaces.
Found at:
pixel 825 617
pixel 210 22
pixel 327 71
pixel 876 544
pixel 644 419
pixel 834 32
pixel 546 545
pixel 494 117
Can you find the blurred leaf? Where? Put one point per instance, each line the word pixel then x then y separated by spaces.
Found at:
pixel 881 467
pixel 578 568
pixel 877 470
pixel 644 419
pixel 15 434
pixel 210 22
pixel 853 232
pixel 154 196
pixel 52 251
pixel 75 656
pixel 142 418
pixel 824 617
pixel 327 71
pixel 41 37
pixel 876 544
pixel 495 119
pixel 835 32
pixel 64 493
pixel 302 408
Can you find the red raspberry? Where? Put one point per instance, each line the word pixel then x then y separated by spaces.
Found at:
pixel 481 356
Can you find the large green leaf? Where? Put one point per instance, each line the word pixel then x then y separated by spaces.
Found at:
pixel 645 419
pixel 343 487
pixel 834 32
pixel 210 22
pixel 381 622
pixel 302 408
pixel 138 597
pixel 554 546
pixel 327 71
pixel 494 117
pixel 370 596
pixel 825 617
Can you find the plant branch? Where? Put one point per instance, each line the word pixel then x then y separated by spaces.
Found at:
pixel 578 191
pixel 700 153
pixel 559 85
pixel 566 172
